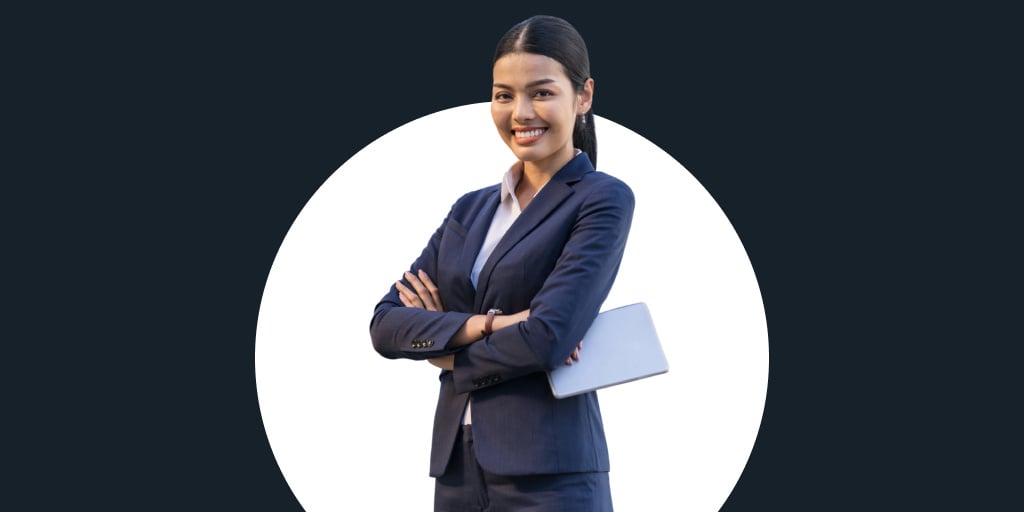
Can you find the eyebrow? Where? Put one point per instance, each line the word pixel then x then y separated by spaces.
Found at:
pixel 534 83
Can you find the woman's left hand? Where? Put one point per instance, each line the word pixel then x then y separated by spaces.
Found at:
pixel 424 295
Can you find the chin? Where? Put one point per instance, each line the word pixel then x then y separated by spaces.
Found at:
pixel 530 154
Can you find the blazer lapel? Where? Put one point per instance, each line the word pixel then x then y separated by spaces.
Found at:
pixel 557 190
pixel 476 233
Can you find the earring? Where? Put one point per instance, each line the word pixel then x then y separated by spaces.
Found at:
pixel 583 118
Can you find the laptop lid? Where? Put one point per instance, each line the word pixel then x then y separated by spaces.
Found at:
pixel 621 345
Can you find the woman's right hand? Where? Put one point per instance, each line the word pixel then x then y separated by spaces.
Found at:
pixel 575 354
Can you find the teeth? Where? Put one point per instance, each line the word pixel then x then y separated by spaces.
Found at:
pixel 531 133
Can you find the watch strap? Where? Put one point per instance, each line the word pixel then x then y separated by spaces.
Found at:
pixel 489 323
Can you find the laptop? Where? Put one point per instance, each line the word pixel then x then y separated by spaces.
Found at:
pixel 620 346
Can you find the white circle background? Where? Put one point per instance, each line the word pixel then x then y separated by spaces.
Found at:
pixel 349 428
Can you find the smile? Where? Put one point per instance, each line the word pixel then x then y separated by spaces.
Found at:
pixel 529 134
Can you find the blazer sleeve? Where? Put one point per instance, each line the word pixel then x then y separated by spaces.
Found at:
pixel 568 301
pixel 413 333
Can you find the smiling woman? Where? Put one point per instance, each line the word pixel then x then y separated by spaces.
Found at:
pixel 508 285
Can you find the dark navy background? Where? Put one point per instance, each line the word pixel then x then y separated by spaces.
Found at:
pixel 155 158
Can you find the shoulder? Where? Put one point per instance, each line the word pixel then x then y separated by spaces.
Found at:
pixel 607 180
pixel 478 195
pixel 598 185
pixel 472 202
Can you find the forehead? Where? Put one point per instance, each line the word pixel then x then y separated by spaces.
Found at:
pixel 516 69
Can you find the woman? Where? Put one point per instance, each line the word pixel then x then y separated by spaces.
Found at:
pixel 508 285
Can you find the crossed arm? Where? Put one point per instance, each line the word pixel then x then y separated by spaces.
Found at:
pixel 424 294
pixel 545 336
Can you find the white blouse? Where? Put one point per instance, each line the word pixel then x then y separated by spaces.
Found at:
pixel 507 213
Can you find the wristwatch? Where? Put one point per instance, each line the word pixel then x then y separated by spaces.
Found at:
pixel 489 323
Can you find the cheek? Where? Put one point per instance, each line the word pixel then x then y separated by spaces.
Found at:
pixel 560 128
pixel 499 117
pixel 560 115
pixel 499 111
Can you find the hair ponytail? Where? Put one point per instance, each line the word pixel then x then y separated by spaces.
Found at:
pixel 555 38
pixel 584 136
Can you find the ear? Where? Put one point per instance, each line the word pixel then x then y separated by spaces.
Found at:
pixel 586 98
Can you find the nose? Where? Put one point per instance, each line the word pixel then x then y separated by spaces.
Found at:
pixel 523 109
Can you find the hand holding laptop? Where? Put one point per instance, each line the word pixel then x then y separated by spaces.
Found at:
pixel 622 345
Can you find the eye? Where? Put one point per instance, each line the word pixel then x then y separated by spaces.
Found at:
pixel 543 93
pixel 502 96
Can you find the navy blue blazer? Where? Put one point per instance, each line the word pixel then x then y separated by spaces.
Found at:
pixel 559 258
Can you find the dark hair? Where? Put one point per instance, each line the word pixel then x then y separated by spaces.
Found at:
pixel 555 38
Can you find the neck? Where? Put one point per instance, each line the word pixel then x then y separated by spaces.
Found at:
pixel 532 180
pixel 537 173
